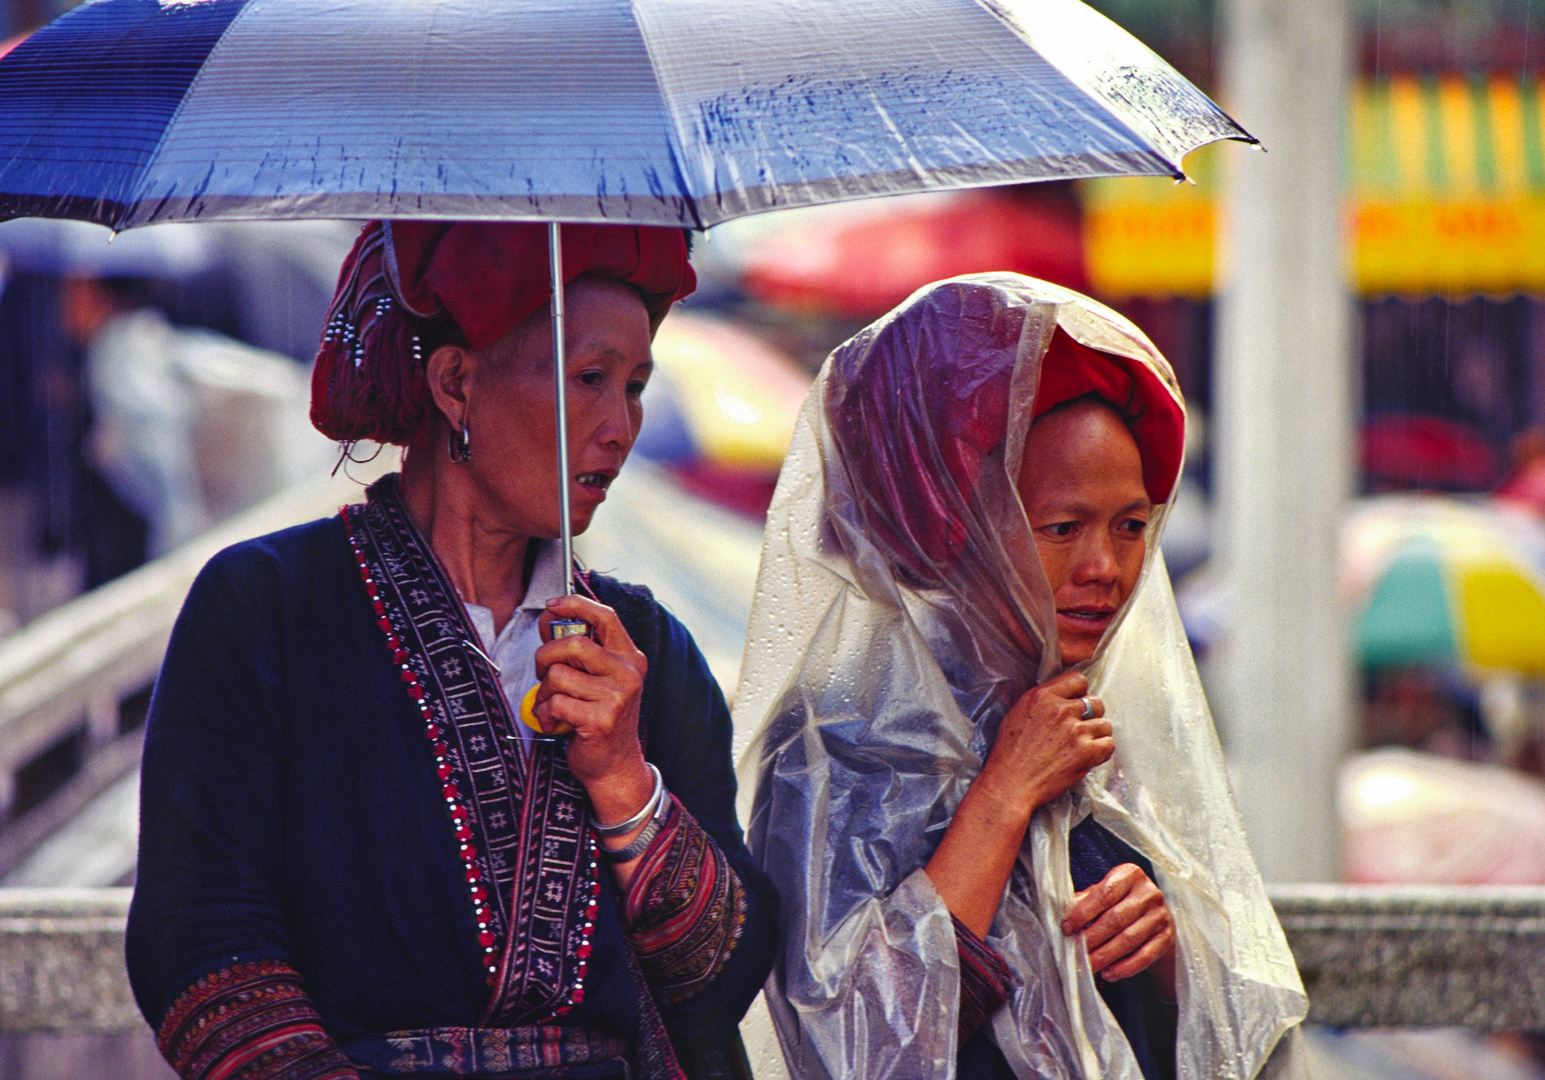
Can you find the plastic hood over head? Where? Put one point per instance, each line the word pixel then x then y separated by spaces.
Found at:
pixel 900 611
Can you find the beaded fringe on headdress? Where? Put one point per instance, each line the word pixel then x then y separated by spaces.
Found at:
pixel 360 387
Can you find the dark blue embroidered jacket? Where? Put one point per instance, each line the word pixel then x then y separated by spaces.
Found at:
pixel 291 811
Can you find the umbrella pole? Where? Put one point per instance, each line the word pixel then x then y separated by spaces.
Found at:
pixel 561 400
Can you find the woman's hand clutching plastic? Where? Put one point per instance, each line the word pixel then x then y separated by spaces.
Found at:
pixel 1046 744
pixel 1127 927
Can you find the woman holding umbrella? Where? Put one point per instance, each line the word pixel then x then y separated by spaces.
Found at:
pixel 355 859
pixel 986 785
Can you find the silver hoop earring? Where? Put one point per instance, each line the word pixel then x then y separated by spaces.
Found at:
pixel 460 446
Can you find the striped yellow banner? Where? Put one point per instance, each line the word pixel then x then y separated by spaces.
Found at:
pixel 1446 182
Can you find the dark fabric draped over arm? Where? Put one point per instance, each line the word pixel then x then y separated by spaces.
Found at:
pixel 1148 1023
pixel 208 955
pixel 985 982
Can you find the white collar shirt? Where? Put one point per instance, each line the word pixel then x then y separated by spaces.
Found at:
pixel 513 648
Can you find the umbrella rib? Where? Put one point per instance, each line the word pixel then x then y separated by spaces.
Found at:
pixel 130 209
pixel 1169 149
pixel 676 140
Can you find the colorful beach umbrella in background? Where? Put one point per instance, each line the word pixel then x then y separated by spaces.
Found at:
pixel 1442 582
pixel 1412 818
pixel 720 409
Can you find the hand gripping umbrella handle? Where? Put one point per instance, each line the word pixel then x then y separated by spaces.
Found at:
pixel 558 628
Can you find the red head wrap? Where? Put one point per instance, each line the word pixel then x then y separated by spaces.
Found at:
pixel 408 278
pixel 1070 370
pixel 918 403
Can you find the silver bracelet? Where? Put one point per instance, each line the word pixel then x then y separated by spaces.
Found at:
pixel 622 828
pixel 641 842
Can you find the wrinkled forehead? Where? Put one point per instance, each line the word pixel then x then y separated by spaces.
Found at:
pixel 1079 454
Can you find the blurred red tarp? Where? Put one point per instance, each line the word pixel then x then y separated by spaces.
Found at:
pixel 863 268
pixel 1427 452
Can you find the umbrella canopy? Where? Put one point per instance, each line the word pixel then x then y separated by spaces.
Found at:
pixel 686 112
pixel 1427 452
pixel 1441 582
pixel 662 112
pixel 1419 819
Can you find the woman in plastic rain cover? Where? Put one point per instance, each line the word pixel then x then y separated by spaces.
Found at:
pixel 986 783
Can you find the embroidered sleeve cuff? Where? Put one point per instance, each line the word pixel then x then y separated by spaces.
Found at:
pixel 250 1021
pixel 685 909
pixel 984 981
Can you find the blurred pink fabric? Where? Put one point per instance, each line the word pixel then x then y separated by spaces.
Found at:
pixel 1414 818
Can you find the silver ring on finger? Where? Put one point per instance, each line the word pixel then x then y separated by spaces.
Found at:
pixel 1088 708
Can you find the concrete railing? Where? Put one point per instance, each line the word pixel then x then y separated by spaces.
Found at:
pixel 61 961
pixel 1370 957
pixel 65 677
pixel 1407 956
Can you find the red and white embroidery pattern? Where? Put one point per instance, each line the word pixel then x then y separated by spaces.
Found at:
pixel 476 887
pixel 250 1021
pixel 520 820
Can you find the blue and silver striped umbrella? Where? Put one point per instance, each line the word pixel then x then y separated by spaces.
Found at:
pixel 690 112
pixel 660 112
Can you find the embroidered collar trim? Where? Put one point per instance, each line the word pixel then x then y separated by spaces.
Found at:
pixel 520 821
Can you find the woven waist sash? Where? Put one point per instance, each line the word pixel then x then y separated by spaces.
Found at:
pixel 491 1053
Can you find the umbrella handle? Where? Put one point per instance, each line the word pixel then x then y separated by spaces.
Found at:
pixel 558 628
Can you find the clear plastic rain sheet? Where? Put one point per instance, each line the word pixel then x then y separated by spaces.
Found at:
pixel 878 664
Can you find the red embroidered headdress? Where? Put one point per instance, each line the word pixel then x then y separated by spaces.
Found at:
pixel 408 285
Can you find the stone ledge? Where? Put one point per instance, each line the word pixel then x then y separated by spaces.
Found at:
pixel 1406 956
pixel 1370 956
pixel 61 961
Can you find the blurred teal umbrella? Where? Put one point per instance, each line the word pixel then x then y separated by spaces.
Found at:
pixel 1439 582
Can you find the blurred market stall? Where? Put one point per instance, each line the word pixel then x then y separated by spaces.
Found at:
pixel 1444 171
